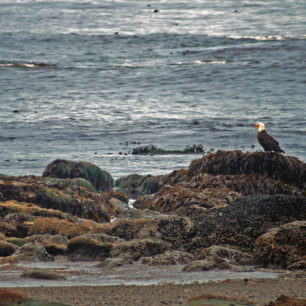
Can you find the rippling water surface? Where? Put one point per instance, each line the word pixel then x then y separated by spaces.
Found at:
pixel 85 80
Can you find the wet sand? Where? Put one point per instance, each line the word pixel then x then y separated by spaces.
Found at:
pixel 259 291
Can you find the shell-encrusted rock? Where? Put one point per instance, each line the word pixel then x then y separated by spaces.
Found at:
pixel 283 246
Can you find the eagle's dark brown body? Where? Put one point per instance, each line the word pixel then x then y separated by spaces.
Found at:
pixel 268 142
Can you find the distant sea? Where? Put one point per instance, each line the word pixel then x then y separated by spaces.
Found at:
pixel 85 80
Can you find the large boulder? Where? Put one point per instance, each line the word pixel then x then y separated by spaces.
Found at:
pixel 136 248
pixel 70 198
pixel 54 244
pixel 284 246
pixel 136 185
pixel 183 195
pixel 88 248
pixel 32 252
pixel 61 168
pixel 245 219
pixel 287 169
pixel 6 248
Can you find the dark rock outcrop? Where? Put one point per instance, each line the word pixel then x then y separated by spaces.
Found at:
pixel 6 248
pixel 99 178
pixel 153 150
pixel 136 185
pixel 183 195
pixel 287 169
pixel 245 219
pixel 284 246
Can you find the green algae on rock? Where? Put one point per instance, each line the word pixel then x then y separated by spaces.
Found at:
pixel 61 168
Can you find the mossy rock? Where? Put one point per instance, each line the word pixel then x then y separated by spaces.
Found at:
pixel 136 185
pixel 99 178
pixel 16 241
pixel 55 199
pixel 73 183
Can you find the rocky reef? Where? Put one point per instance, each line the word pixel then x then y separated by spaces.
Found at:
pixel 228 210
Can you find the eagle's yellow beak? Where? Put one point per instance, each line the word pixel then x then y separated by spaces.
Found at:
pixel 256 125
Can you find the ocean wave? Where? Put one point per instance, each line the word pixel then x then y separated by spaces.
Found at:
pixel 268 37
pixel 26 65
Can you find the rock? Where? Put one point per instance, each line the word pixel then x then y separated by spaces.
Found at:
pixel 128 229
pixel 12 229
pixel 194 149
pixel 283 246
pixel 284 300
pixel 219 257
pixel 145 150
pixel 233 255
pixel 31 190
pixel 176 230
pixel 287 169
pixel 60 168
pixel 153 150
pixel 42 274
pixel 182 195
pixel 245 184
pixel 31 252
pixel 244 220
pixel 54 244
pixel 20 212
pixel 172 257
pixel 7 249
pixel 198 265
pixel 75 183
pixel 136 185
pixel 8 260
pixel 134 214
pixel 110 263
pixel 208 191
pixel 134 249
pixel 10 297
pixel 86 248
pixel 54 226
pixel 298 265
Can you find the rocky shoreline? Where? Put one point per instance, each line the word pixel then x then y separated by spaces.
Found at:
pixel 229 210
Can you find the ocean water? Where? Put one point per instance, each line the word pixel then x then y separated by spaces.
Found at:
pixel 85 80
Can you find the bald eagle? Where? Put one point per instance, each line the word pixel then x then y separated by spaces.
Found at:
pixel 267 141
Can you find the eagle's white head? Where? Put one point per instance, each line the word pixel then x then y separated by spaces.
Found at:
pixel 260 125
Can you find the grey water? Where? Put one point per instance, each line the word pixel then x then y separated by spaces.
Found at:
pixel 85 80
pixel 87 274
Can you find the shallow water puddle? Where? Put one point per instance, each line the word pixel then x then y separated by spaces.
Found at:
pixel 86 273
